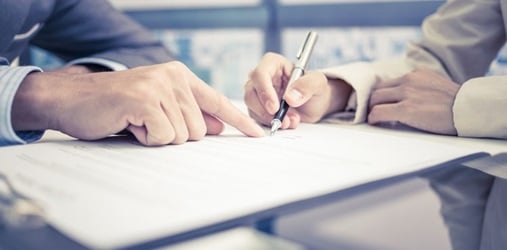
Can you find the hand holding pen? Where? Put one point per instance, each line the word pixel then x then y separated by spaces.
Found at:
pixel 276 84
pixel 303 56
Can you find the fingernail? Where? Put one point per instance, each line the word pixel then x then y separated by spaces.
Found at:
pixel 259 132
pixel 295 95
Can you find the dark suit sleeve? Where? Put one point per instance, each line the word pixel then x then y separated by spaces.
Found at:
pixel 94 28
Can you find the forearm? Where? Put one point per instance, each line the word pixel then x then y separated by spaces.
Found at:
pixel 338 90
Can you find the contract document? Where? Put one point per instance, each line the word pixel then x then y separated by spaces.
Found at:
pixel 116 193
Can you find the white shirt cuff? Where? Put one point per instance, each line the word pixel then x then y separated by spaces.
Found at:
pixel 10 79
pixel 114 66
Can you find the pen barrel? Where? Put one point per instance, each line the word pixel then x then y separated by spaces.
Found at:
pixel 282 111
pixel 303 56
pixel 296 74
pixel 306 49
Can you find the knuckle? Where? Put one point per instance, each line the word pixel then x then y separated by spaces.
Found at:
pixel 198 132
pixel 177 65
pixel 176 71
pixel 320 77
pixel 181 137
pixel 158 140
pixel 219 101
pixel 196 129
pixel 270 55
pixel 405 107
pixel 312 118
pixel 254 75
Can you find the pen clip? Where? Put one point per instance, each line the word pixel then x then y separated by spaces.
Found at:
pixel 303 46
pixel 305 50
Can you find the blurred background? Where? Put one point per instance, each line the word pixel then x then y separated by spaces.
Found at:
pixel 223 40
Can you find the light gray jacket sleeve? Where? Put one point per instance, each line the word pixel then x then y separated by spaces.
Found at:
pixel 460 41
pixel 95 29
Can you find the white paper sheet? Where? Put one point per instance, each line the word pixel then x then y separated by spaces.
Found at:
pixel 114 192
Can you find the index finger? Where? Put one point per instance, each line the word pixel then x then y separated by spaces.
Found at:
pixel 268 80
pixel 215 104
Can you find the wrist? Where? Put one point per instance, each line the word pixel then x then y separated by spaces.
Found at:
pixel 30 106
pixel 340 93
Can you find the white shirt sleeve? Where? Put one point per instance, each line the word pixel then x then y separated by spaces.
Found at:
pixel 114 66
pixel 10 79
pixel 363 76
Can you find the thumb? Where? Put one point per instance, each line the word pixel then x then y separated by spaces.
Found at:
pixel 213 125
pixel 309 85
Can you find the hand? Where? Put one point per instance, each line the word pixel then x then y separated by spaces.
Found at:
pixel 159 104
pixel 311 97
pixel 421 99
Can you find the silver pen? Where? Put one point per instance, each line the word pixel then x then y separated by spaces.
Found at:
pixel 303 56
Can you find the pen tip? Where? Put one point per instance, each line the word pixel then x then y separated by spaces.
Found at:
pixel 275 125
pixel 272 132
